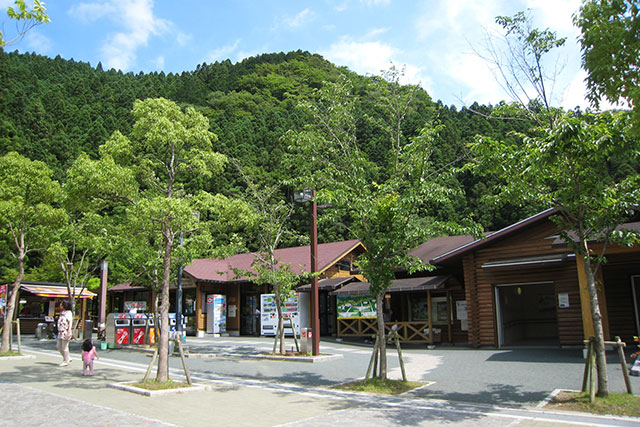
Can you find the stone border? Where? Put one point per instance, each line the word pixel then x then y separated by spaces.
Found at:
pixel 201 355
pixel 126 386
pixel 553 394
pixel 24 356
pixel 304 359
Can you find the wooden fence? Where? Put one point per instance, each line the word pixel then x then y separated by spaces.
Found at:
pixel 407 331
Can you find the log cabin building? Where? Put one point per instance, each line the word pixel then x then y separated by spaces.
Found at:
pixel 216 276
pixel 519 286
pixel 524 286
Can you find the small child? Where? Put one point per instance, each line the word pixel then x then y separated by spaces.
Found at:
pixel 88 354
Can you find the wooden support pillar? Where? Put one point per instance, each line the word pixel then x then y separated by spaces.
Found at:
pixel 83 311
pixel 199 322
pixel 430 317
pixel 587 320
pixel 602 302
pixel 449 314
pixel 585 303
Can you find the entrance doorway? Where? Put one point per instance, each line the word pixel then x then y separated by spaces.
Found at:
pixel 526 314
pixel 250 320
pixel 635 289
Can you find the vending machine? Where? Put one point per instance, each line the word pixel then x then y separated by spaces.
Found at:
pixel 217 314
pixel 296 308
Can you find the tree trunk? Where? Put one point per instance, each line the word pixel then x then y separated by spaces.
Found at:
pixel 601 360
pixel 381 337
pixel 11 306
pixel 278 299
pixel 163 339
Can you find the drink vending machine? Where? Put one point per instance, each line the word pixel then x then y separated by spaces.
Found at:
pixel 216 314
pixel 295 307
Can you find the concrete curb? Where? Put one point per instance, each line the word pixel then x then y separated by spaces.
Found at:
pixel 17 357
pixel 151 393
pixel 553 394
pixel 303 359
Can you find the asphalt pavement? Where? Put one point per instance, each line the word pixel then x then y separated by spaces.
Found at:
pixel 463 386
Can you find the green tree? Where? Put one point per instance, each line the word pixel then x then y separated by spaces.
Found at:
pixel 271 226
pixel 29 214
pixel 519 57
pixel 611 51
pixel 25 19
pixel 149 172
pixel 383 214
pixel 574 169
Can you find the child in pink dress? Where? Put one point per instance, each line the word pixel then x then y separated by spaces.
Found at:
pixel 88 354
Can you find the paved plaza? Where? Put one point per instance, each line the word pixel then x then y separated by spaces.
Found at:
pixel 463 386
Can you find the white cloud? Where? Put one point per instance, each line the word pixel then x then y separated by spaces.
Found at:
pixel 223 52
pixel 555 15
pixel 90 12
pixel 159 62
pixel 375 32
pixel 361 57
pixel 371 57
pixel 300 19
pixel 38 42
pixel 183 39
pixel 449 32
pixel 137 23
pixel 375 2
pixel 244 54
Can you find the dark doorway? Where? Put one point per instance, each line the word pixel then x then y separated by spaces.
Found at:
pixel 250 320
pixel 526 314
pixel 635 288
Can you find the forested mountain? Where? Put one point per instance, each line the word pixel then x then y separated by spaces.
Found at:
pixel 54 109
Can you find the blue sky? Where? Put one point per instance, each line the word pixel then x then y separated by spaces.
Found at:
pixel 433 39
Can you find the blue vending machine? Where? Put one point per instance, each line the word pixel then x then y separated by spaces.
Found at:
pixel 217 314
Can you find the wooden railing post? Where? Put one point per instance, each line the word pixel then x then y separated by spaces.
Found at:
pixel 18 335
pixel 623 363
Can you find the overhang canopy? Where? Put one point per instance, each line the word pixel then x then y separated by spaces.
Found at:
pixel 399 285
pixel 50 291
pixel 327 284
pixel 532 261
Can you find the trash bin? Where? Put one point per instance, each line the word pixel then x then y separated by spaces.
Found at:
pixel 151 329
pixel 138 328
pixel 41 331
pixel 118 328
pixel 305 340
pixel 87 333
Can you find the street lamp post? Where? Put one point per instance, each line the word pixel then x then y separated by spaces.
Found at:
pixel 103 300
pixel 179 299
pixel 309 196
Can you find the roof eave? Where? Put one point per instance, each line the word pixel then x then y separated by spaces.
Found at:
pixel 476 244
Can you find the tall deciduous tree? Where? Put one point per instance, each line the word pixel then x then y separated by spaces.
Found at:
pixel 271 217
pixel 150 171
pixel 574 168
pixel 29 214
pixel 383 214
pixel 520 57
pixel 611 51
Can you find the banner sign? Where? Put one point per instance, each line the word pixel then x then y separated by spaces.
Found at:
pixel 356 306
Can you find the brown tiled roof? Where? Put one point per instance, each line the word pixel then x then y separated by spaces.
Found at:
pixel 493 237
pixel 397 285
pixel 126 286
pixel 440 245
pixel 221 270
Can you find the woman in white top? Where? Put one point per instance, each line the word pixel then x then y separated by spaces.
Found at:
pixel 65 322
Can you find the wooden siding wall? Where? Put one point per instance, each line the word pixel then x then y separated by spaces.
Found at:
pixel 457 334
pixel 617 284
pixel 480 283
